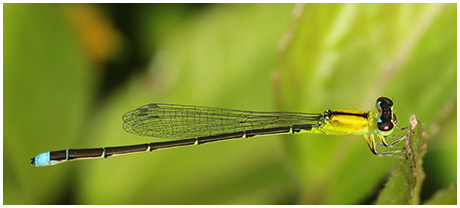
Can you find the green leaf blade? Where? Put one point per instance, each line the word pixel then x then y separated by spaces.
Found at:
pixel 404 184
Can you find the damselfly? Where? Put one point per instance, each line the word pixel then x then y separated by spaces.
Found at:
pixel 192 125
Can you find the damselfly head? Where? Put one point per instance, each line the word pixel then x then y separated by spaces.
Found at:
pixel 386 119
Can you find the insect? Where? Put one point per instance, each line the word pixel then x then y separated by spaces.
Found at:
pixel 192 125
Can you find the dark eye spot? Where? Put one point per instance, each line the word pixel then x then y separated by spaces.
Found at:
pixel 385 126
pixel 383 104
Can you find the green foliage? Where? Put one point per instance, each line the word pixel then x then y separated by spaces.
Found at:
pixel 447 196
pixel 268 57
pixel 403 186
pixel 347 55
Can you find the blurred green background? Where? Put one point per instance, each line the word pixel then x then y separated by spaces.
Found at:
pixel 72 70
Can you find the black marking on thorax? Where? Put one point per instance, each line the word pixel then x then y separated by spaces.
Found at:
pixel 364 115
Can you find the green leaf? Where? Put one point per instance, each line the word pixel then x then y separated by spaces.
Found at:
pixel 403 186
pixel 344 56
pixel 447 196
pixel 49 84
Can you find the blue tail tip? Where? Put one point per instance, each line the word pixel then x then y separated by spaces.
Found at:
pixel 42 159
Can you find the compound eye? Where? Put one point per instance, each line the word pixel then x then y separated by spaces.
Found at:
pixel 385 126
pixel 383 103
pixel 385 100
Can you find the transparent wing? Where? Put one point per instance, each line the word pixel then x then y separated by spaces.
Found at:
pixel 172 121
